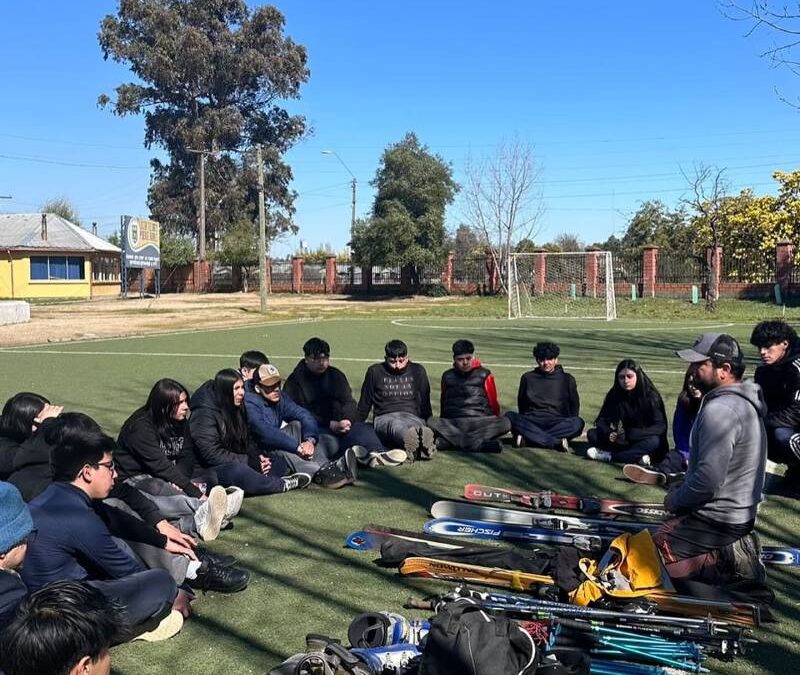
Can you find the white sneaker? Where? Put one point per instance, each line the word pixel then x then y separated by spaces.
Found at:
pixel 208 518
pixel 393 457
pixel 235 497
pixel 170 625
pixel 645 461
pixel 598 455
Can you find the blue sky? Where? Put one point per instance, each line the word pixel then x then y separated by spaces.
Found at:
pixel 616 98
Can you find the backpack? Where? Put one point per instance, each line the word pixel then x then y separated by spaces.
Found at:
pixel 465 640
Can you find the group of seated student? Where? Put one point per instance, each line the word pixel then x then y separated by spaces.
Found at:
pixel 123 518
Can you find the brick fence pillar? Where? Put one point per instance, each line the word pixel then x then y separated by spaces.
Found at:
pixel 649 269
pixel 330 274
pixel 784 255
pixel 540 274
pixel 590 272
pixel 710 253
pixel 447 274
pixel 201 276
pixel 297 274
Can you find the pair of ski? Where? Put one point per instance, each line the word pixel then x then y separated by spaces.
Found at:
pixel 547 499
pixel 372 536
pixel 464 519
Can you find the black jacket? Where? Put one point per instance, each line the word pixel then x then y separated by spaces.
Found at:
pixel 142 451
pixel 8 450
pixel 32 475
pixel 649 419
pixel 327 397
pixel 207 428
pixel 780 383
pixel 387 391
pixel 548 394
pixel 464 394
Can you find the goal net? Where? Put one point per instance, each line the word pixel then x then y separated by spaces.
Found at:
pixel 573 285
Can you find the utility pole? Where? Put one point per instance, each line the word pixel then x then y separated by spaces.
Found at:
pixel 353 213
pixel 262 234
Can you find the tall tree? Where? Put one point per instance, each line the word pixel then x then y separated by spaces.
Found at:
pixel 709 189
pixel 568 242
pixel 61 206
pixel 211 76
pixel 414 188
pixel 503 200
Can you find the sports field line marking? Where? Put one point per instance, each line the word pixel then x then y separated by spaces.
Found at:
pixel 294 357
pixel 400 322
pixel 184 331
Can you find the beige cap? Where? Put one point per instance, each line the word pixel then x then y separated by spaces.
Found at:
pixel 267 375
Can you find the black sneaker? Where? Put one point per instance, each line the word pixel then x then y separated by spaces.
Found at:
pixel 331 477
pixel 211 577
pixel 296 481
pixel 492 446
pixel 218 559
pixel 348 463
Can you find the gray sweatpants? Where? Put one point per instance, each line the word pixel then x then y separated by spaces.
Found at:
pixel 391 427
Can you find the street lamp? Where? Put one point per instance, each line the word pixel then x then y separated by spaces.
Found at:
pixel 353 186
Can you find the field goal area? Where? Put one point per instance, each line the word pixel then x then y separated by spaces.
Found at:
pixel 561 285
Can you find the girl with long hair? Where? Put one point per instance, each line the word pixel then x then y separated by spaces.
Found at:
pixel 22 415
pixel 632 423
pixel 218 426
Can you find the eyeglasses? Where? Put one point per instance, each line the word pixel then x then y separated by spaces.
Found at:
pixel 108 465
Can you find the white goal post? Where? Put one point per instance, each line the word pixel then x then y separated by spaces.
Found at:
pixel 568 285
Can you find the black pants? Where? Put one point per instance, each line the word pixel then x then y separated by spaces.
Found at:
pixel 469 433
pixel 145 596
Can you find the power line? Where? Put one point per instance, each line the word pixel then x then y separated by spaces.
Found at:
pixel 45 160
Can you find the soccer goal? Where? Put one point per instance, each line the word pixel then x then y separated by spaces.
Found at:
pixel 572 285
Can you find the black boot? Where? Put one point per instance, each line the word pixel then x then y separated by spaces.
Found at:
pixel 205 555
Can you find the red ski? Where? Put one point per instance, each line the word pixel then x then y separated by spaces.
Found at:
pixel 546 499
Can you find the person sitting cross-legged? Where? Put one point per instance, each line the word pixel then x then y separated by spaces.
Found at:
pixel 470 414
pixel 72 539
pixel 324 391
pixel 399 394
pixel 547 402
pixel 285 431
pixel 222 440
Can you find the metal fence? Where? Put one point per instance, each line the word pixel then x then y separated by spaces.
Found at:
pixel 679 269
pixel 627 267
pixel 281 272
pixel 752 268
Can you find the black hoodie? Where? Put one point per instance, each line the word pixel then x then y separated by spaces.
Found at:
pixel 780 383
pixel 548 394
pixel 327 396
pixel 387 391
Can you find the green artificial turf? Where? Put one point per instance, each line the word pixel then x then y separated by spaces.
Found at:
pixel 303 580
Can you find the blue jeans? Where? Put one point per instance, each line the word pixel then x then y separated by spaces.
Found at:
pixel 778 449
pixel 545 431
pixel 360 433
pixel 251 481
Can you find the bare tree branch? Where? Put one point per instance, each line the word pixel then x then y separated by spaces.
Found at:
pixel 502 199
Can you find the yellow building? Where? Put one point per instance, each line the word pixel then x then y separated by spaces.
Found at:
pixel 42 255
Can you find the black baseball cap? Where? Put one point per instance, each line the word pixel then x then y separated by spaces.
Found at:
pixel 717 346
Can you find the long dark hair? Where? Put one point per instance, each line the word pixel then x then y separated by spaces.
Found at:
pixel 164 398
pixel 18 415
pixel 234 418
pixel 642 397
pixel 690 404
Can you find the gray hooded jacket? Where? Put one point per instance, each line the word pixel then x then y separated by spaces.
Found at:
pixel 728 456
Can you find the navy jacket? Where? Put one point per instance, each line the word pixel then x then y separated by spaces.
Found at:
pixel 12 592
pixel 72 542
pixel 328 396
pixel 264 420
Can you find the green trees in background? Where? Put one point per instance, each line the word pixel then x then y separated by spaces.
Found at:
pixel 210 76
pixel 414 187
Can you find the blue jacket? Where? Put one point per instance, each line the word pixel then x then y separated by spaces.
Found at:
pixel 682 423
pixel 72 542
pixel 12 593
pixel 264 420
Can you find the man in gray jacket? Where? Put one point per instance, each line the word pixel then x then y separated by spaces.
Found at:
pixel 711 537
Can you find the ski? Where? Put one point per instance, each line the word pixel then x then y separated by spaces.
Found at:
pixel 550 521
pixel 491 576
pixel 371 537
pixel 477 529
pixel 585 539
pixel 551 500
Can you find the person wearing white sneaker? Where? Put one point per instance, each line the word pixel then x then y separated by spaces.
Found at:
pixel 598 455
pixel 632 421
pixel 398 393
pixel 324 391
pixel 155 455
